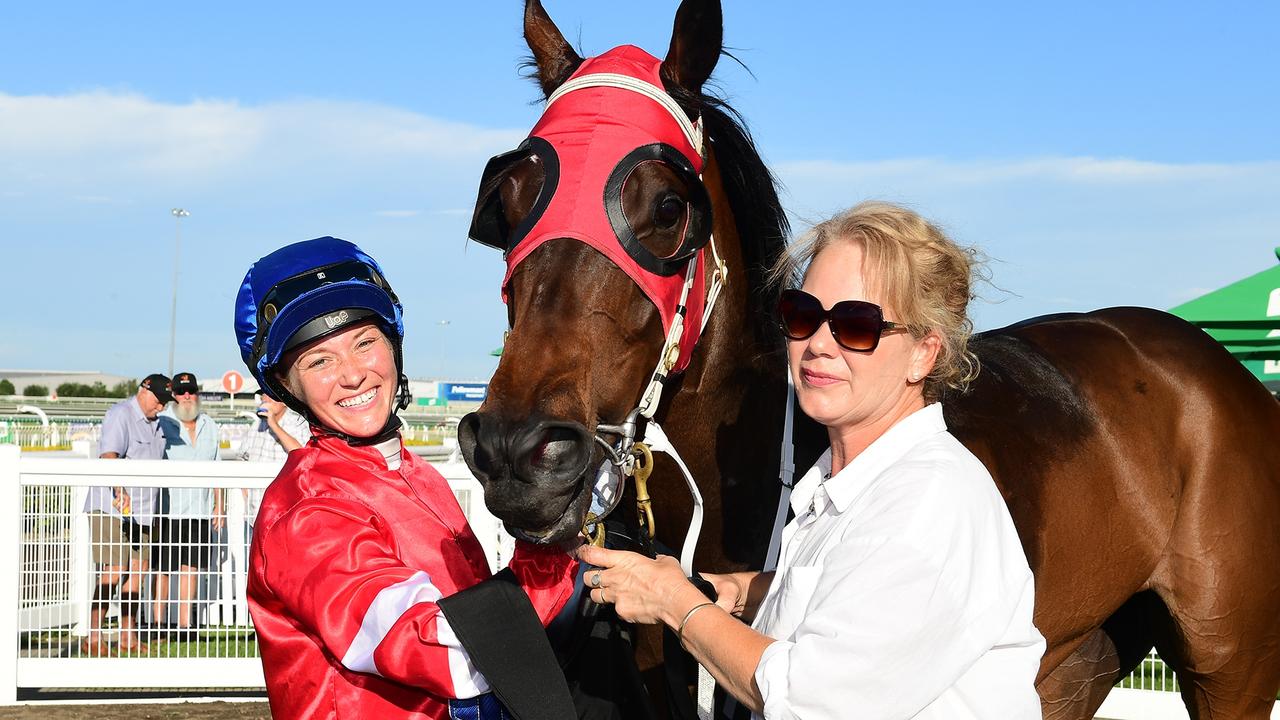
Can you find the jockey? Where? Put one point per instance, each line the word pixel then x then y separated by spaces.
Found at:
pixel 370 594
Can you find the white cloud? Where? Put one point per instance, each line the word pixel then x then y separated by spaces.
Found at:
pixel 108 137
pixel 1076 170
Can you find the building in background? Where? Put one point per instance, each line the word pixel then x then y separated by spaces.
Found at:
pixel 51 379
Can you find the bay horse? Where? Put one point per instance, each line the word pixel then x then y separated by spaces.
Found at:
pixel 1139 460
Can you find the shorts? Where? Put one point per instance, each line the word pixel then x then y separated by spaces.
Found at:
pixel 117 542
pixel 181 542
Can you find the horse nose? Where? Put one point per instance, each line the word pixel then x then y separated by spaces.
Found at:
pixel 542 451
pixel 481 441
pixel 550 452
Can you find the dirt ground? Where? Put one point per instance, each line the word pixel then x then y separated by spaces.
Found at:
pixel 164 711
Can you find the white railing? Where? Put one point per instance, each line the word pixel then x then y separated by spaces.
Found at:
pixel 48 608
pixel 60 432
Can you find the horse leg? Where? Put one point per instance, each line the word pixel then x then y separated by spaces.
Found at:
pixel 1223 671
pixel 1221 584
pixel 1076 688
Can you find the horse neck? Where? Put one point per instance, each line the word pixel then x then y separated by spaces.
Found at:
pixel 725 413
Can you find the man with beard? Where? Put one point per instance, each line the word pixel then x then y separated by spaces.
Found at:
pixel 192 515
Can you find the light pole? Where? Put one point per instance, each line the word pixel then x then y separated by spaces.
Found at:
pixel 442 324
pixel 178 214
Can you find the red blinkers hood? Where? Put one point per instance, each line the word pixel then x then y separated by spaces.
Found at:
pixel 589 139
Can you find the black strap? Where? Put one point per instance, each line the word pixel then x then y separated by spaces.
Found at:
pixel 501 632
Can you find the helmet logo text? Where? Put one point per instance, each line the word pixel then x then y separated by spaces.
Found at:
pixel 334 321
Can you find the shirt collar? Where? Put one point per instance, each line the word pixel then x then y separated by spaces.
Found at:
pixel 367 455
pixel 887 449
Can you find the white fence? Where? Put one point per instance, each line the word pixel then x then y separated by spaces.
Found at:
pixel 60 432
pixel 45 614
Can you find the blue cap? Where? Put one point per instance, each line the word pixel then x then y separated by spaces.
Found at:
pixel 305 291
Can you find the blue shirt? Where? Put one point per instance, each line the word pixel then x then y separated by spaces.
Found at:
pixel 189 502
pixel 129 434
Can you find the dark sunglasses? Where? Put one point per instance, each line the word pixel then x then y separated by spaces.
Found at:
pixel 855 324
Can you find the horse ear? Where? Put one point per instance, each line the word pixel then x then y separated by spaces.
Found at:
pixel 695 44
pixel 554 57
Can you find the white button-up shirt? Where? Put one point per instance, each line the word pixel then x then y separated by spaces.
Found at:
pixel 902 590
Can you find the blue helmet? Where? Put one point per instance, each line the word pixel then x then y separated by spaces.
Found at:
pixel 305 291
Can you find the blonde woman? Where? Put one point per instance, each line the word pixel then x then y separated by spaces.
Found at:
pixel 902 590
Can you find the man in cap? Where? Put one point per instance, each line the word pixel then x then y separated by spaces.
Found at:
pixel 184 532
pixel 120 517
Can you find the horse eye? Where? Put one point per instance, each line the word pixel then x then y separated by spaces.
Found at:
pixel 668 211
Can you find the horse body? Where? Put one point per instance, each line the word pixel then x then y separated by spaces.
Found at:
pixel 1140 464
pixel 1139 461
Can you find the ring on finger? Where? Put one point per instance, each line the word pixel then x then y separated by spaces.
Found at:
pixel 595 579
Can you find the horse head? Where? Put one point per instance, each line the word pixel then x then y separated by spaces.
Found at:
pixel 604 215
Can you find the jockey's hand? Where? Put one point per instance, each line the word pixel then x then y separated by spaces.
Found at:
pixel 641 590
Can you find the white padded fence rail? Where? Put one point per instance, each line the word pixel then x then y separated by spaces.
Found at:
pixel 48 578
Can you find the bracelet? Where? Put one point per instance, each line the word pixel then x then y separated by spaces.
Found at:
pixel 685 621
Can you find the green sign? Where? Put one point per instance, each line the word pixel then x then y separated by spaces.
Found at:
pixel 433 402
pixel 1245 317
pixel 6 435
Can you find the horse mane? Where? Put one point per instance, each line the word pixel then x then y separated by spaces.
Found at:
pixel 752 192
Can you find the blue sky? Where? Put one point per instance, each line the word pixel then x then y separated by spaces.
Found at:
pixel 1100 153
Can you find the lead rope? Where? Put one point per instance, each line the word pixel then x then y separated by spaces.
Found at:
pixel 658 441
pixel 786 475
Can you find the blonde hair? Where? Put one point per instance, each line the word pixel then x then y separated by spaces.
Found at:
pixel 923 277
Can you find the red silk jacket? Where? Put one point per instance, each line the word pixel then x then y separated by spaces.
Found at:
pixel 347 563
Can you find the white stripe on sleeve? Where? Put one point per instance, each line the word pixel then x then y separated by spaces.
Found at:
pixel 386 609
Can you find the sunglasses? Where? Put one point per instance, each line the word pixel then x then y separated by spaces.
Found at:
pixel 855 324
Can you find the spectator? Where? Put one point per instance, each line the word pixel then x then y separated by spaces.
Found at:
pixel 120 518
pixel 185 531
pixel 280 430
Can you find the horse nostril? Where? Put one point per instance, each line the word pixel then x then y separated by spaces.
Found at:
pixel 476 440
pixel 555 450
pixel 559 447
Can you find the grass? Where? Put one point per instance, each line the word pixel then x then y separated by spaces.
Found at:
pixel 208 643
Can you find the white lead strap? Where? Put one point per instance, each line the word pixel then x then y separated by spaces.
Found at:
pixel 786 474
pixel 658 441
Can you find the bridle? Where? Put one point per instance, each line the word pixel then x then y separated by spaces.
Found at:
pixel 630 454
pixel 610 117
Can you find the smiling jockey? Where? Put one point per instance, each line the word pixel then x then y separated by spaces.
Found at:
pixel 370 594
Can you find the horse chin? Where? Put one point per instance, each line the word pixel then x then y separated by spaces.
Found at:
pixel 565 529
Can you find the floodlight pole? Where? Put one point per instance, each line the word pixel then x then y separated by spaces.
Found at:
pixel 442 324
pixel 178 214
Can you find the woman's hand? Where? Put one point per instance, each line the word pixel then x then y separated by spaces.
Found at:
pixel 641 590
pixel 731 592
